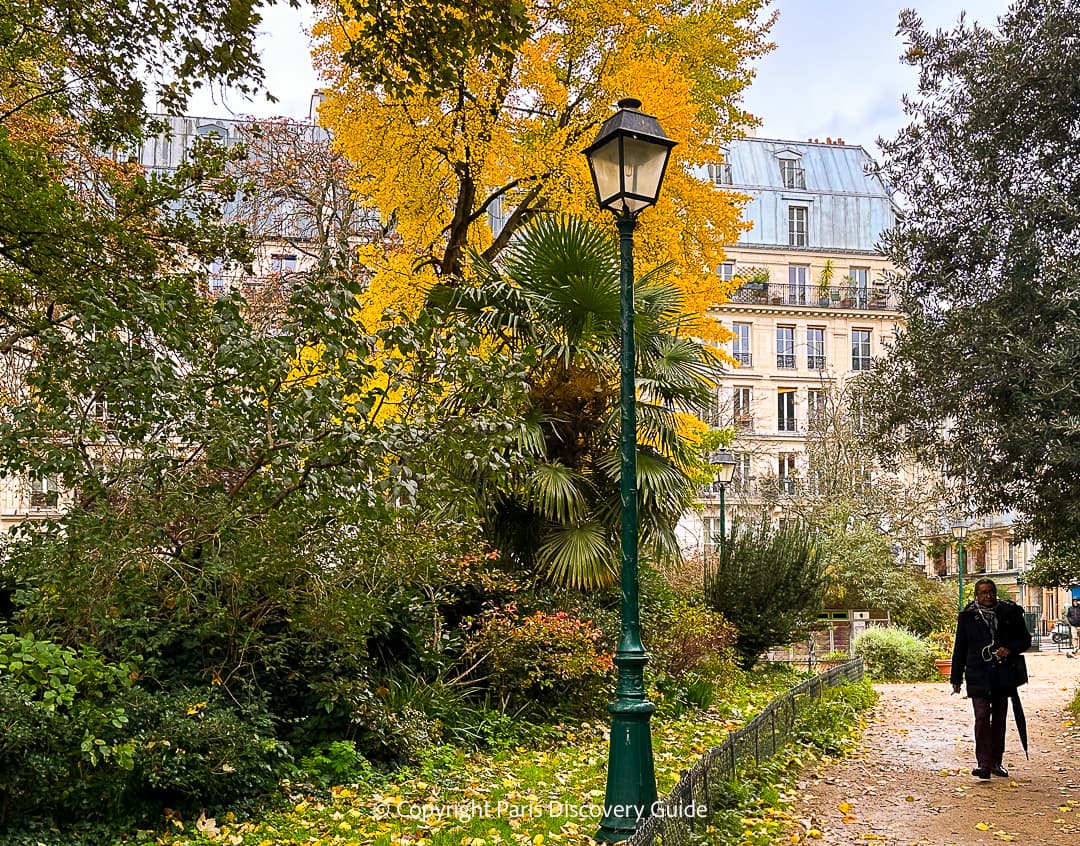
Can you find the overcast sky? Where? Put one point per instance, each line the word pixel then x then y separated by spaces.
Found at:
pixel 835 71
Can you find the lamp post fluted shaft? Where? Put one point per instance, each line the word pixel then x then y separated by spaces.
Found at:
pixel 631 782
pixel 723 517
pixel 959 575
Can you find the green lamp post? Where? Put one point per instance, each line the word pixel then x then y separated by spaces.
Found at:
pixel 959 531
pixel 723 466
pixel 627 161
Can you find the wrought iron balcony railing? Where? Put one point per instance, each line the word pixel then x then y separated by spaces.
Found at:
pixel 814 296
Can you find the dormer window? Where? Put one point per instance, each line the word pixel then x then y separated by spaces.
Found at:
pixel 720 173
pixel 792 174
pixel 213 132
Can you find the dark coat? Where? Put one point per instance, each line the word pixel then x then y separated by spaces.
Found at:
pixel 993 677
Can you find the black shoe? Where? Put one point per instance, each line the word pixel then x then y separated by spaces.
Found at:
pixel 981 772
pixel 999 770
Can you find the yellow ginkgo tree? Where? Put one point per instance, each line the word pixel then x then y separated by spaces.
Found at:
pixel 500 137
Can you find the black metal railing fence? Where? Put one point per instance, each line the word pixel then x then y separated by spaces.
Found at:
pixel 677 821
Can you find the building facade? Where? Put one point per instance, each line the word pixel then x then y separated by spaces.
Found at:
pixel 811 310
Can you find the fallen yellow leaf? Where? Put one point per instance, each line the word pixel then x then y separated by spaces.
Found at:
pixel 982 826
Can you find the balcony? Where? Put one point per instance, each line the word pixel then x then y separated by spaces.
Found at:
pixel 744 422
pixel 813 296
pixel 44 499
pixel 815 362
pixel 787 425
pixel 745 359
pixel 784 361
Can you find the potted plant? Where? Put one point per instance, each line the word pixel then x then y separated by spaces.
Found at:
pixel 848 299
pixel 942 644
pixel 756 283
pixel 824 280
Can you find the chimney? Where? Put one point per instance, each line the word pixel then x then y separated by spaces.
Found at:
pixel 317 99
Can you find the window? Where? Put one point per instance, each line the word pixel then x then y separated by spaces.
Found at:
pixel 860 349
pixel 861 476
pixel 720 173
pixel 797 277
pixel 815 407
pixel 785 347
pixel 798 217
pixel 785 410
pixel 216 277
pixel 742 408
pixel 726 271
pixel 213 132
pixel 44 492
pixel 740 345
pixel 785 472
pixel 859 279
pixel 710 534
pixel 282 263
pixel 792 173
pixel 741 478
pixel 815 348
pixel 710 413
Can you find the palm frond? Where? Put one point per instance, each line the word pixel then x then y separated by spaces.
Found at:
pixel 579 556
pixel 556 492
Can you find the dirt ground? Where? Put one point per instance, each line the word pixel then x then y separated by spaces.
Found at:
pixel 910 782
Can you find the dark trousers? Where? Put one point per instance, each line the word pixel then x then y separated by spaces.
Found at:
pixel 991 713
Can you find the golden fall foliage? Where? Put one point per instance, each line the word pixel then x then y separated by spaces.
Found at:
pixel 508 137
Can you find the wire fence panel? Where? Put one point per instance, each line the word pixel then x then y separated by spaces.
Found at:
pixel 686 810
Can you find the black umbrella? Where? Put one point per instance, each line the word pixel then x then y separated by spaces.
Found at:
pixel 1021 721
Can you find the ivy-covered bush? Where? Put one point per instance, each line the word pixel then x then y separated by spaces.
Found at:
pixel 541 659
pixel 895 654
pixel 197 748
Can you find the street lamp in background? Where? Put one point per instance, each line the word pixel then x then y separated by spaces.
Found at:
pixel 723 467
pixel 959 531
pixel 627 161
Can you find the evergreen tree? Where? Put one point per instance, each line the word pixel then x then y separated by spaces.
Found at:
pixel 768 583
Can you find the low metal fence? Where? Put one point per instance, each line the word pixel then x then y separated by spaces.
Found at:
pixel 677 821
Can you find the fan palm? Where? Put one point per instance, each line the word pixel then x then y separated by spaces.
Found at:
pixel 554 297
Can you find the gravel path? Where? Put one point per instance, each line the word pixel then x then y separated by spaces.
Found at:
pixel 910 782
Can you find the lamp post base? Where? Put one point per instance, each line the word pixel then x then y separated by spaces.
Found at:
pixel 631 783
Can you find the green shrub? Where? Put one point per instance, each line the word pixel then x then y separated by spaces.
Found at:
pixel 826 723
pixel 335 763
pixel 63 741
pixel 769 583
pixel 894 654
pixel 691 638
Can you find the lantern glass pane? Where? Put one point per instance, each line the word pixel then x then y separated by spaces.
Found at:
pixel 643 168
pixel 604 163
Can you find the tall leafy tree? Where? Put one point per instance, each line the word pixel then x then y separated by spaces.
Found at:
pixel 218 474
pixel 554 299
pixel 503 132
pixel 983 380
